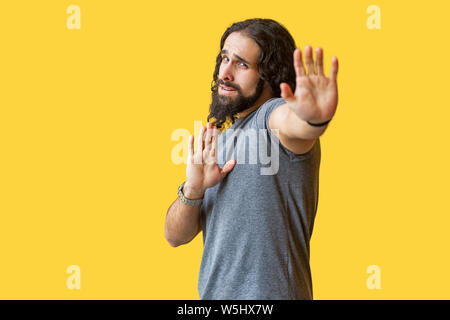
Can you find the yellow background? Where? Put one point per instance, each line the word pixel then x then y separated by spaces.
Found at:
pixel 86 118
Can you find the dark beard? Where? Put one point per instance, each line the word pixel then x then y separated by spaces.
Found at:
pixel 223 107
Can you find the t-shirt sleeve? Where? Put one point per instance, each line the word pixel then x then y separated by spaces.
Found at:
pixel 264 112
pixel 262 122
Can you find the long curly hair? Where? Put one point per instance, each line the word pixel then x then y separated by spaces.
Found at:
pixel 275 61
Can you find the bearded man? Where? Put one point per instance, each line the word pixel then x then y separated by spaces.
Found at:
pixel 257 223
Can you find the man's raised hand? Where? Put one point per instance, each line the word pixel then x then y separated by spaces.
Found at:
pixel 202 170
pixel 316 97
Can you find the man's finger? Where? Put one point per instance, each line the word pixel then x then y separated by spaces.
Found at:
pixel 319 61
pixel 309 60
pixel 227 168
pixel 215 137
pixel 211 151
pixel 199 149
pixel 200 138
pixel 298 63
pixel 191 146
pixel 208 136
pixel 286 92
pixel 334 68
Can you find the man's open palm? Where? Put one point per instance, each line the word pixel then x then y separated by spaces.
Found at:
pixel 316 96
pixel 203 171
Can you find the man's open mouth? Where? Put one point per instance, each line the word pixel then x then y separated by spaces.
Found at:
pixel 227 88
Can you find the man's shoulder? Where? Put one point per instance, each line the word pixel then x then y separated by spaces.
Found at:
pixel 276 101
pixel 262 114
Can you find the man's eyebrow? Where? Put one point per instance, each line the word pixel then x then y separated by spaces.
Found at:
pixel 224 51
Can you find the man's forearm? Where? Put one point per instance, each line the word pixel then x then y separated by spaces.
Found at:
pixel 296 128
pixel 182 222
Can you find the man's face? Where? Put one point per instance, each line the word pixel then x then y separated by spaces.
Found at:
pixel 239 83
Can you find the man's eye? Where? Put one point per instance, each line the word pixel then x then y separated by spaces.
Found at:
pixel 241 64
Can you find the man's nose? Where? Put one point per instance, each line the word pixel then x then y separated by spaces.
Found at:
pixel 227 73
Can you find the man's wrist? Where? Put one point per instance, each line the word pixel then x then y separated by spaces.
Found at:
pixel 319 124
pixel 192 193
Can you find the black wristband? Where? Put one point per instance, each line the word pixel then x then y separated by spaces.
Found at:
pixel 318 124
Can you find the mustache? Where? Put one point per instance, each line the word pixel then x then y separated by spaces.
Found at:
pixel 228 84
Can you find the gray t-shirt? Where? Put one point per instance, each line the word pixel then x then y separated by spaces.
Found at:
pixel 258 221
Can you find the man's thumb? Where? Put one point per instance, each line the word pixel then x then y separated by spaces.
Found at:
pixel 227 168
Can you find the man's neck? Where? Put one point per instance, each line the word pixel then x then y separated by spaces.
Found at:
pixel 246 112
